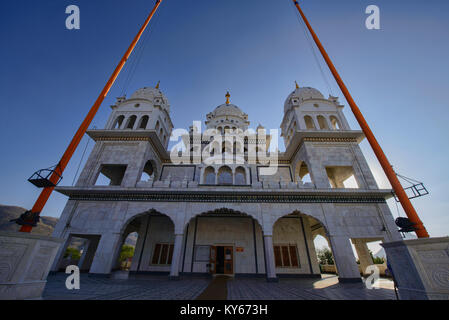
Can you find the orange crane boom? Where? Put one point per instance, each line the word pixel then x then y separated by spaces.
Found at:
pixel 421 231
pixel 45 194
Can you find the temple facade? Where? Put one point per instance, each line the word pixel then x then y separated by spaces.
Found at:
pixel 224 200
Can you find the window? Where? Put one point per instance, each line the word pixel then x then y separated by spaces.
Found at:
pixel 111 175
pixel 302 173
pixel 286 256
pixel 131 122
pixel 226 146
pixel 209 175
pixel 322 123
pixel 143 122
pixel 163 254
pixel 118 122
pixel 334 122
pixel 148 171
pixel 225 176
pixel 310 125
pixel 240 176
pixel 342 177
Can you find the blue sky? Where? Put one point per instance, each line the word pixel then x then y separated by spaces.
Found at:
pixel 51 76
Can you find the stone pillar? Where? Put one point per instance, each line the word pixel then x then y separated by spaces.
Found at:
pixel 90 254
pixel 105 255
pixel 83 256
pixel 363 253
pixel 347 268
pixel 176 259
pixel 142 233
pixel 269 258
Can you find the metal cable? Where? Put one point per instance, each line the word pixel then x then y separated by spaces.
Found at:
pixel 312 48
pixel 138 57
pixel 81 160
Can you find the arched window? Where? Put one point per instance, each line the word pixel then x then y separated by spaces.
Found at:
pixel 209 175
pixel 302 173
pixel 310 125
pixel 214 148
pixel 335 124
pixel 240 176
pixel 131 122
pixel 226 146
pixel 238 146
pixel 225 176
pixel 118 122
pixel 161 132
pixel 148 171
pixel 323 123
pixel 143 122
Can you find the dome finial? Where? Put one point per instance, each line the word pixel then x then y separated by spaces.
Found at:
pixel 227 97
pixel 157 85
pixel 297 86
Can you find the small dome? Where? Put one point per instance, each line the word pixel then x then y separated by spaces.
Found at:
pixel 305 93
pixel 153 95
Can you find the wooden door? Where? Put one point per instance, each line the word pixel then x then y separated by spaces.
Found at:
pixel 228 260
pixel 213 260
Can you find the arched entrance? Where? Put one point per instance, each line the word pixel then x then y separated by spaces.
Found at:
pixel 153 249
pixel 293 246
pixel 223 242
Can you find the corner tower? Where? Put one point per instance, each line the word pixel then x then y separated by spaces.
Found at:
pixel 132 146
pixel 317 135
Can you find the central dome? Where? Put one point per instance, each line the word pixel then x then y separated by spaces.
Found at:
pixel 228 110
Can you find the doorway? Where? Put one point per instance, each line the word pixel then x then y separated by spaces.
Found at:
pixel 222 259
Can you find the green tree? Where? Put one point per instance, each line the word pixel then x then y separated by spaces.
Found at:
pixel 325 256
pixel 126 253
pixel 73 252
pixel 376 260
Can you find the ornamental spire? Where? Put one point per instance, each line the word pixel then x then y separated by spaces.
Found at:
pixel 227 97
pixel 157 85
pixel 297 86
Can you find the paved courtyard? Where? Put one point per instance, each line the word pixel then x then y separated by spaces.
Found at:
pixel 189 288
pixel 326 288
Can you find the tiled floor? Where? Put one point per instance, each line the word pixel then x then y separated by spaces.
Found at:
pixel 142 288
pixel 189 288
pixel 327 288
